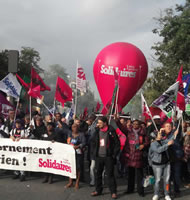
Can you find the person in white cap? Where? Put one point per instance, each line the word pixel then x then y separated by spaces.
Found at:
pixel 151 130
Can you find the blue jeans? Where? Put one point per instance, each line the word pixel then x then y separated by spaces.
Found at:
pixel 159 172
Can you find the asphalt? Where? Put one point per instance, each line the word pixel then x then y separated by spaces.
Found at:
pixel 34 189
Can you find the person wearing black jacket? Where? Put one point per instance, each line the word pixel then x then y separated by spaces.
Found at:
pixel 39 129
pixel 62 129
pixel 10 120
pixel 106 147
pixel 50 136
pixel 4 132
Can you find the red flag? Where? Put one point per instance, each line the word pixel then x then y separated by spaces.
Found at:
pixel 97 107
pixel 25 85
pixel 35 92
pixel 63 92
pixel 37 80
pixel 180 94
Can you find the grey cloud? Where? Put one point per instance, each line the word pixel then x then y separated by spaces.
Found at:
pixel 66 30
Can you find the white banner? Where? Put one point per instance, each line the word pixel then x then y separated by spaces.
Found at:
pixel 81 79
pixel 38 156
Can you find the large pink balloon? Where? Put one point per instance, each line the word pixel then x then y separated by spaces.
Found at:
pixel 131 65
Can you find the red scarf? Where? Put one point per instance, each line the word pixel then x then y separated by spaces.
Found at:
pixel 104 129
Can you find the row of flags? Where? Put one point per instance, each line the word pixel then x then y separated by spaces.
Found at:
pixel 173 100
pixel 12 85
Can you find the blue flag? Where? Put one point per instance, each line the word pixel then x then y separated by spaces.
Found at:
pixel 186 83
pixel 70 114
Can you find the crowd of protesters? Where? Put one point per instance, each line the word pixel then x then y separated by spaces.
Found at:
pixel 132 147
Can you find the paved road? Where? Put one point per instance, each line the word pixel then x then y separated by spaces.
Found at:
pixel 33 189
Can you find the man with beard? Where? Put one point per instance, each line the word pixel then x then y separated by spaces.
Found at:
pixel 106 148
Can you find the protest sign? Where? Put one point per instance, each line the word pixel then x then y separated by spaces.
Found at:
pixel 38 156
pixel 167 101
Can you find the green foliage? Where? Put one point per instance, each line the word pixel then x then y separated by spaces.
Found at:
pixel 29 58
pixel 3 64
pixel 172 52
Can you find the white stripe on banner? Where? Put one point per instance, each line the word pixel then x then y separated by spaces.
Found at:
pixel 38 156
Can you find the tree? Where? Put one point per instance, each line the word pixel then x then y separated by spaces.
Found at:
pixel 172 52
pixel 3 64
pixel 29 57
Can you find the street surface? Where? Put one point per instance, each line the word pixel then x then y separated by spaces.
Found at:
pixel 33 189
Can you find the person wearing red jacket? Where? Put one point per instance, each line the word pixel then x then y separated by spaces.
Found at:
pixel 136 142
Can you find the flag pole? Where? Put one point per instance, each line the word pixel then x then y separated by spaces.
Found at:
pixel 180 120
pixel 48 109
pixel 54 106
pixel 76 90
pixel 16 108
pixel 153 122
pixel 150 114
pixel 113 106
pixel 30 104
pixel 116 108
pixel 111 113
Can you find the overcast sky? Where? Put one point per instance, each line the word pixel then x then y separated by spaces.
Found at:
pixel 66 30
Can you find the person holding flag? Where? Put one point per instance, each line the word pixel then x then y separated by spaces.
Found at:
pixel 159 161
pixel 137 141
